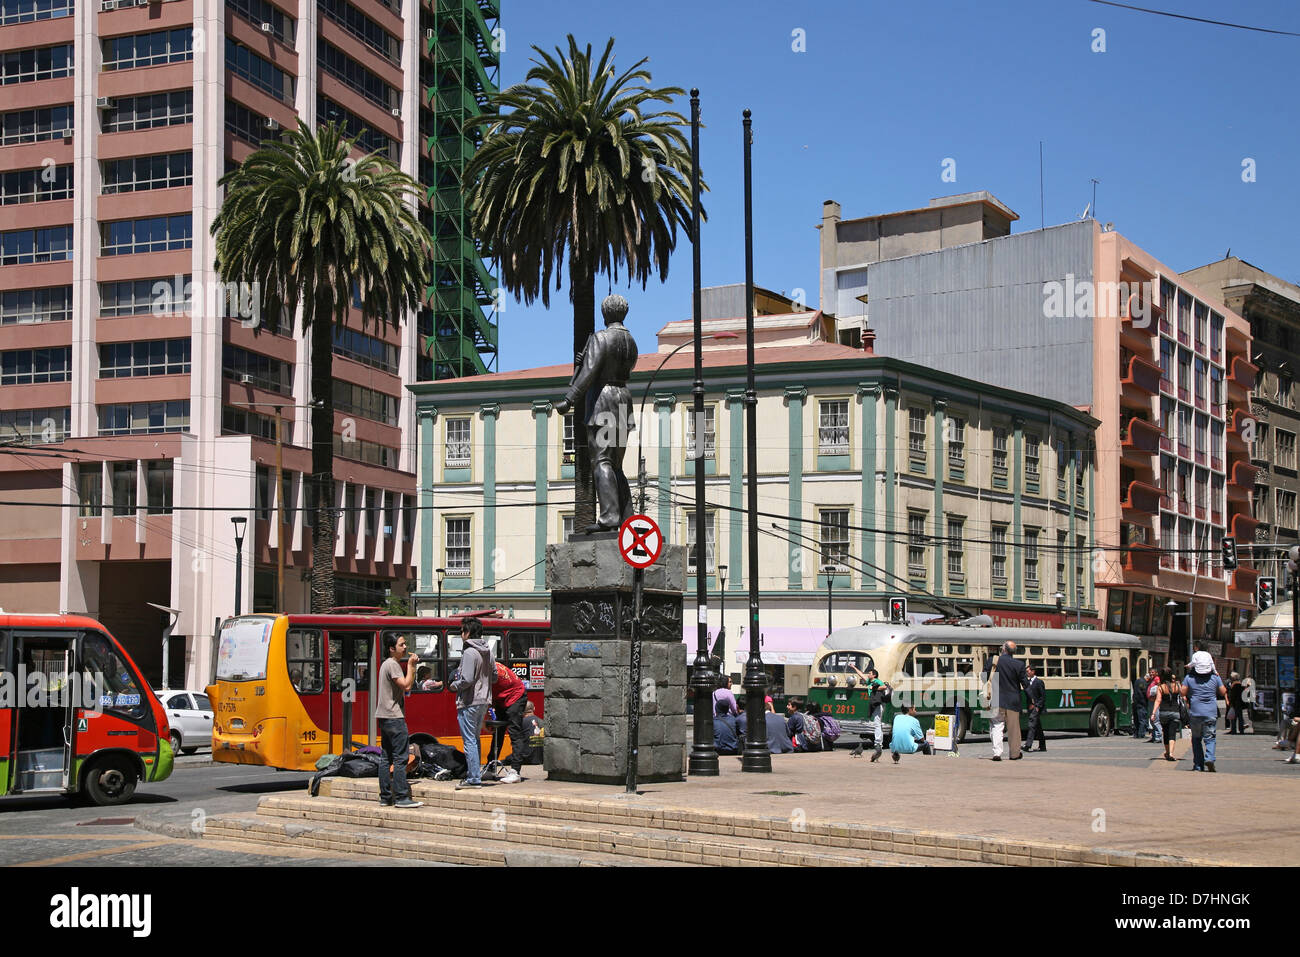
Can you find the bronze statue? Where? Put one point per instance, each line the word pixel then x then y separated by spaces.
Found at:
pixel 601 373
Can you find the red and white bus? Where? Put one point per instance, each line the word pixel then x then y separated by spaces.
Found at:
pixel 76 716
pixel 291 689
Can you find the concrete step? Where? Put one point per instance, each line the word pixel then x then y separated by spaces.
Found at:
pixel 520 828
pixel 399 844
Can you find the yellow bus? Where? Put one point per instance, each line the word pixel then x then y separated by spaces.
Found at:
pixel 1087 674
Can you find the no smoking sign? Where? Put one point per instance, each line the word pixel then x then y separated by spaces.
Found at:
pixel 640 541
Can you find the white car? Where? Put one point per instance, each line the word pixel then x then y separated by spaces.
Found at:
pixel 189 715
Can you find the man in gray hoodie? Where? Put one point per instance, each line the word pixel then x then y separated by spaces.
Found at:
pixel 473 687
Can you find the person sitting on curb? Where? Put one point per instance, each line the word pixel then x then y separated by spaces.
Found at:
pixel 726 737
pixel 907 736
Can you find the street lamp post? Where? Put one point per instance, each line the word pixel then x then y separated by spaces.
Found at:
pixel 239 522
pixel 720 646
pixel 829 572
pixel 442 573
pixel 756 757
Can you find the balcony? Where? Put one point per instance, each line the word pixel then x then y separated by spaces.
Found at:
pixel 1236 426
pixel 1244 579
pixel 1141 436
pixel 1243 528
pixel 1242 373
pixel 1142 559
pixel 1142 374
pixel 1141 497
pixel 1241 481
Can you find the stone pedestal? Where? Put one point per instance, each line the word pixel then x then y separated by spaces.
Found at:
pixel 588 664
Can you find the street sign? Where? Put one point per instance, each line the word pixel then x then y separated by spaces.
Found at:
pixel 640 541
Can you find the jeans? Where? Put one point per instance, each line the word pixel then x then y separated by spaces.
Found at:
pixel 1005 718
pixel 471 723
pixel 1156 734
pixel 1238 723
pixel 1203 733
pixel 393 743
pixel 877 720
pixel 519 746
pixel 1139 720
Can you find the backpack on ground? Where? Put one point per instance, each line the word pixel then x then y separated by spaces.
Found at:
pixel 830 728
pixel 812 732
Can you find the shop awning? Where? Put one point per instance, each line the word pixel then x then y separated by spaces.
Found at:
pixel 779 645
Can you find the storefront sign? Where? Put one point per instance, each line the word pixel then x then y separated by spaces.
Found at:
pixel 1251 638
pixel 1159 643
pixel 1281 638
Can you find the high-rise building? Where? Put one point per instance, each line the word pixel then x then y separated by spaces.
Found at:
pixel 1080 314
pixel 138 402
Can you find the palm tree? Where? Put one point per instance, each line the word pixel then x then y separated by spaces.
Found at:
pixel 312 228
pixel 580 167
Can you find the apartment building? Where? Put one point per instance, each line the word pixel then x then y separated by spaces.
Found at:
pixel 877 478
pixel 1081 315
pixel 139 402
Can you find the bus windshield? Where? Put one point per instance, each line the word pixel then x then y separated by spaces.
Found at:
pixel 242 653
pixel 842 661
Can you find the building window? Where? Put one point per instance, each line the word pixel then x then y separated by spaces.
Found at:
pixel 249 126
pixel 1000 452
pixel 25 246
pixel 137 173
pixel 363 28
pixel 1031 557
pixel 368 403
pixel 710 433
pixel 833 427
pixel 121 360
pixel 566 452
pixel 342 67
pixel 36 185
pixel 36 125
pixel 359 450
pixel 29 11
pixel 154 235
pixel 148 49
pixel 566 527
pixel 999 553
pixel 1284 456
pixel 710 540
pixel 956 441
pixel 36 426
pixel 1080 579
pixel 158 487
pixel 41 63
pixel 262 371
pixel 90 489
pixel 835 537
pixel 36 366
pixel 369 139
pixel 124 487
pixel 916 437
pixel 264 75
pixel 457 548
pixel 458 443
pixel 1061 585
pixel 245 422
pixel 1286 509
pixel 956 560
pixel 258 12
pixel 145 418
pixel 148 110
pixel 1031 455
pixel 136 297
pixel 368 350
pixel 1062 464
pixel 916 542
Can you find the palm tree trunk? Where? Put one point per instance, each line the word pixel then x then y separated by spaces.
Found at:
pixel 583 293
pixel 322 464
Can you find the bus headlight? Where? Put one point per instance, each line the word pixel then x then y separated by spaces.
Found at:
pixel 236 724
pixel 832 681
pixel 851 681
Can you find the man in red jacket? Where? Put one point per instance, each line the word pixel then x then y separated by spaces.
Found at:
pixel 509 698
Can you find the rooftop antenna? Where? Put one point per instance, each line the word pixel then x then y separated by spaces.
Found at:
pixel 1094 198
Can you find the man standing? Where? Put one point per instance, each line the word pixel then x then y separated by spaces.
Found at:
pixel 1037 708
pixel 1138 694
pixel 1006 675
pixel 876 691
pixel 473 687
pixel 390 714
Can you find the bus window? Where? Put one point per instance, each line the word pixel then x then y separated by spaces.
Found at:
pixel 361 661
pixel 1103 668
pixel 913 664
pixel 965 666
pixel 1054 650
pixel 456 647
pixel 1054 667
pixel 1037 664
pixel 119 694
pixel 1072 668
pixel 963 649
pixel 941 666
pixel 425 646
pixel 1123 667
pixel 336 663
pixel 1069 652
pixel 305 660
pixel 924 650
pixel 1037 650
pixel 520 645
pixel 839 662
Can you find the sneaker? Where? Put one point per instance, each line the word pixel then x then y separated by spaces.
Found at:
pixel 461 785
pixel 407 802
pixel 1209 766
pixel 385 802
pixel 509 776
pixel 442 774
pixel 895 756
pixel 1294 759
pixel 997 757
pixel 875 756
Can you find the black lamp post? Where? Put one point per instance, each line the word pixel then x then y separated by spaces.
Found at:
pixel 829 571
pixel 756 756
pixel 442 573
pixel 239 522
pixel 720 645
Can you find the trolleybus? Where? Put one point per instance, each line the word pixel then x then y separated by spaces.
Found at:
pixel 290 689
pixel 1086 674
pixel 76 717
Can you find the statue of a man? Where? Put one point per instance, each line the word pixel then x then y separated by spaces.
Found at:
pixel 601 374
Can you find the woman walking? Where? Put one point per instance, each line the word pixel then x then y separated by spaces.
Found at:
pixel 1165 710
pixel 1236 705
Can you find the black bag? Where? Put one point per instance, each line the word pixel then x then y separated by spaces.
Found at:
pixel 444 756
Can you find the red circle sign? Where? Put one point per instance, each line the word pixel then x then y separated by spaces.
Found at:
pixel 640 541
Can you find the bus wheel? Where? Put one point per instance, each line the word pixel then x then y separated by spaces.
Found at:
pixel 1099 721
pixel 964 727
pixel 109 781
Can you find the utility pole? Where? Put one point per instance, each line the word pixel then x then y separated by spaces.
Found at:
pixel 279 512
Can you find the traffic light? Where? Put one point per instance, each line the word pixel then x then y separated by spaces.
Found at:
pixel 1229 554
pixel 1266 593
pixel 898 611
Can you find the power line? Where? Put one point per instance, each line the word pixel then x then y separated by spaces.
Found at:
pixel 1183 16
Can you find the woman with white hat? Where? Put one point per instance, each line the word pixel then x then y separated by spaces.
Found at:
pixel 1202 688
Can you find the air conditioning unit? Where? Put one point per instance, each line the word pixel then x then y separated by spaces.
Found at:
pixel 108 5
pixel 142 3
pixel 272 124
pixel 395 111
pixel 266 27
pixel 245 380
pixel 103 102
pixel 67 134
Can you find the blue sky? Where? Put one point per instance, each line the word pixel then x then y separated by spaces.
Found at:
pixel 886 90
